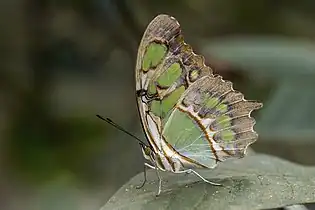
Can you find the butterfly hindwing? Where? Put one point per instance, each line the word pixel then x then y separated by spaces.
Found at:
pixel 215 120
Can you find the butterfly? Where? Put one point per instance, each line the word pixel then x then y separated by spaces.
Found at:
pixel 191 118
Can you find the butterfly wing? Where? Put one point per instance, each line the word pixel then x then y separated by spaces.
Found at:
pixel 183 107
pixel 211 122
pixel 166 67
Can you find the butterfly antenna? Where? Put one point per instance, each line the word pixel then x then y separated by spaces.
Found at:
pixel 112 123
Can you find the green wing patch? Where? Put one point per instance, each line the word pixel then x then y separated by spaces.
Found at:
pixel 170 76
pixel 154 54
pixel 188 139
pixel 162 108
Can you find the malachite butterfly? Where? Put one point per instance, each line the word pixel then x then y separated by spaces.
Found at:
pixel 191 117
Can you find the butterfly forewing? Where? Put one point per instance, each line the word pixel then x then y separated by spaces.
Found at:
pixel 166 67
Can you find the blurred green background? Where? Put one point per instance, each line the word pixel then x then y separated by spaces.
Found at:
pixel 62 62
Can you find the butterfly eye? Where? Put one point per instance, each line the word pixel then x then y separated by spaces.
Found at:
pixel 147 151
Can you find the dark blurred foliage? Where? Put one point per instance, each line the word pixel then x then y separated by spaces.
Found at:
pixel 65 61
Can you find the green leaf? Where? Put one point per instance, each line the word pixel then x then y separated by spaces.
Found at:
pixel 254 182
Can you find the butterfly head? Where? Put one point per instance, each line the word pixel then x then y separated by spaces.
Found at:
pixel 147 151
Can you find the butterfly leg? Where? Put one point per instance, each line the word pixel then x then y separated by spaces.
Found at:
pixel 145 174
pixel 201 177
pixel 145 178
pixel 159 177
